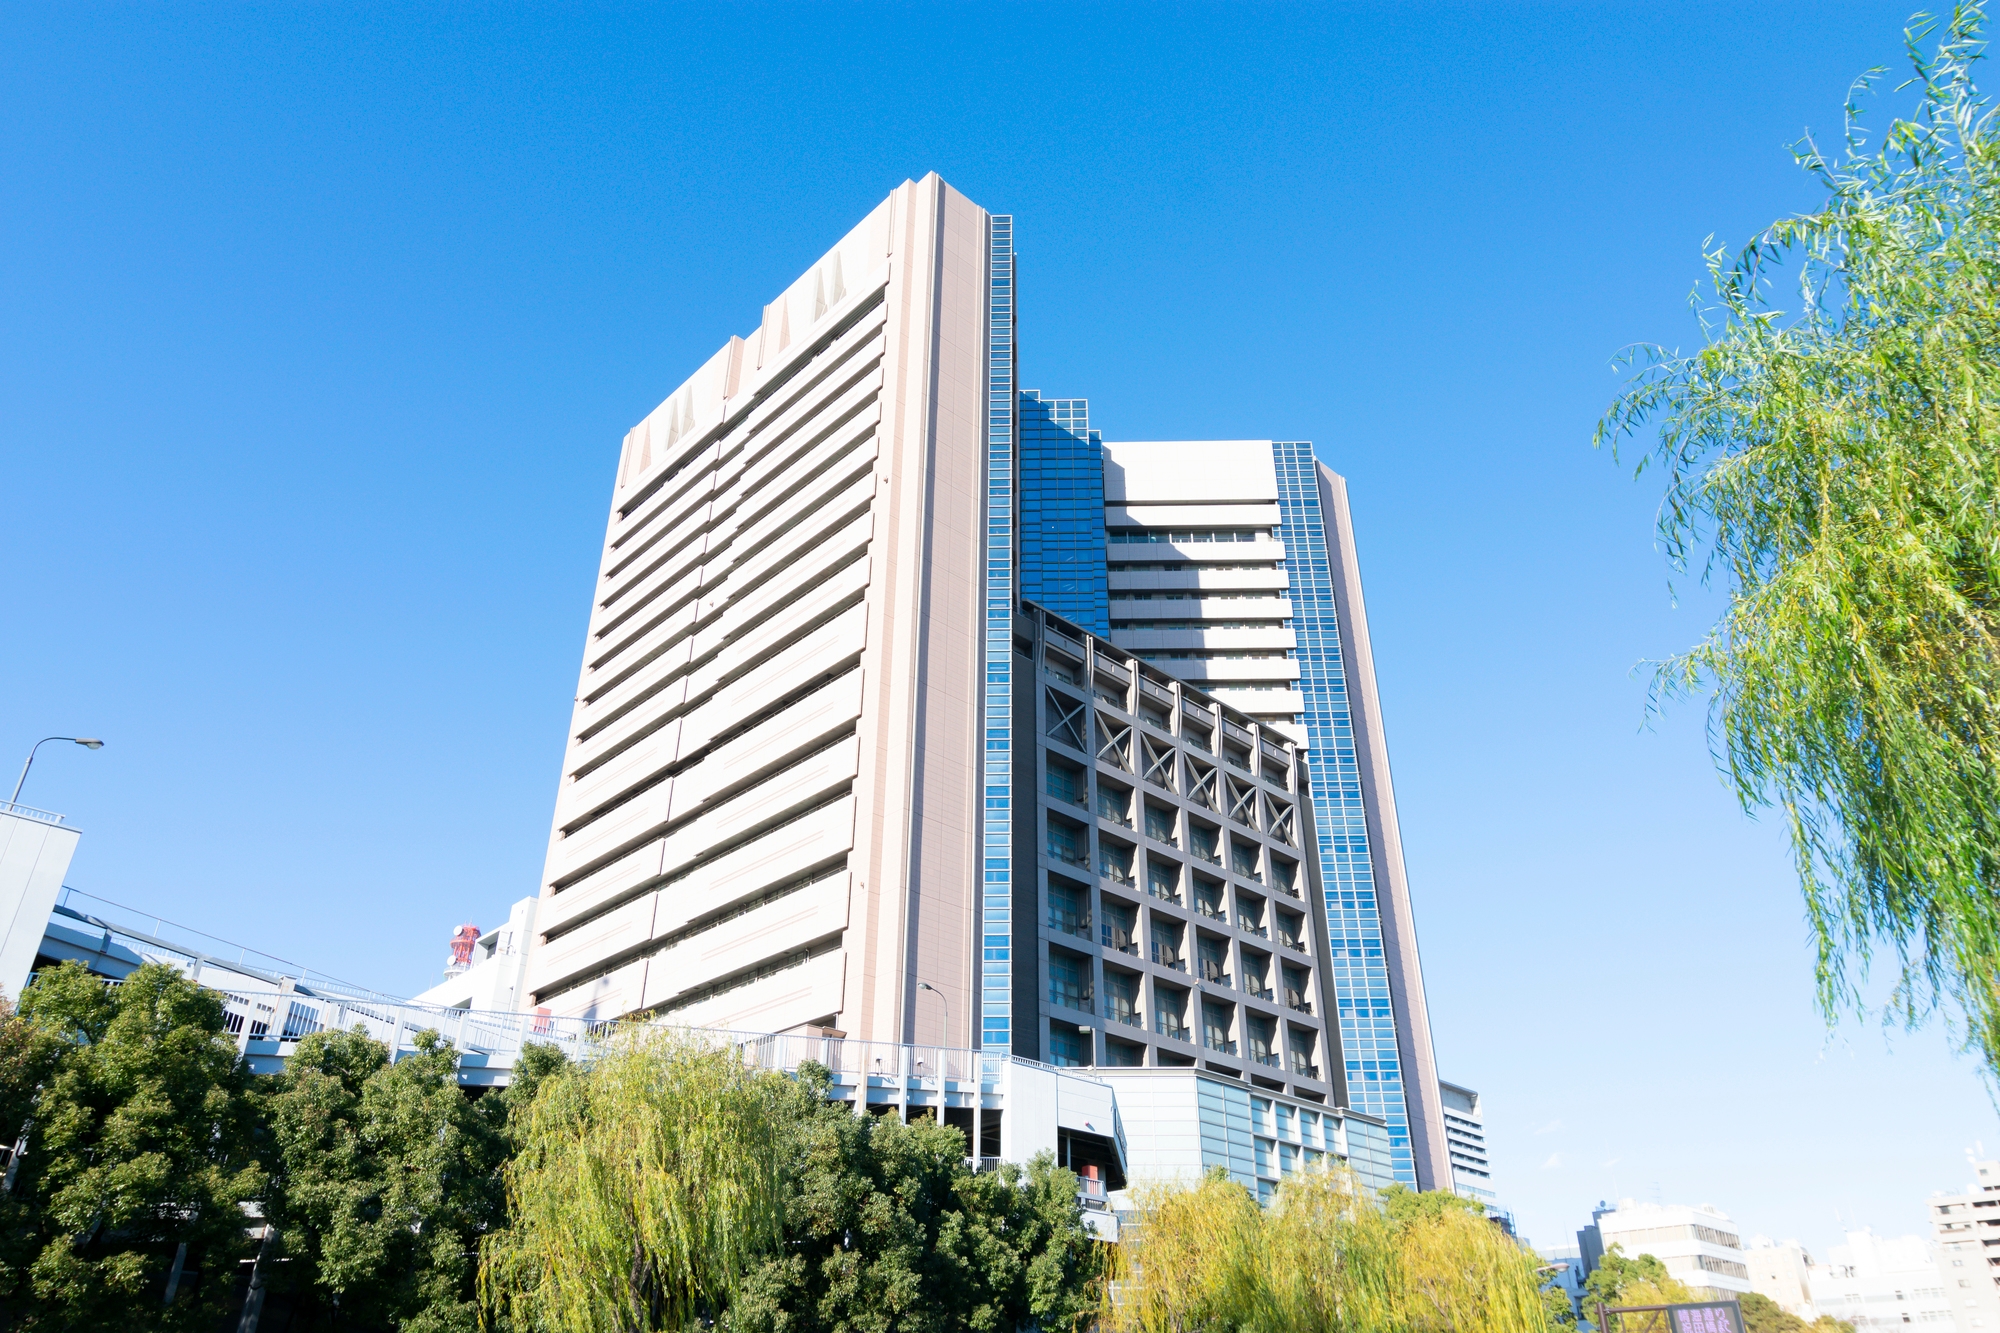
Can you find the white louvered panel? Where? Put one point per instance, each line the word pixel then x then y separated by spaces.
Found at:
pixel 556 960
pixel 770 744
pixel 787 925
pixel 606 884
pixel 787 999
pixel 782 854
pixel 607 997
pixel 819 653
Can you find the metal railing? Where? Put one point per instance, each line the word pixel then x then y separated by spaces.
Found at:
pixel 30 812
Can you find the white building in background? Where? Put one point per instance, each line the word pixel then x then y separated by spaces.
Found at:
pixel 1699 1245
pixel 1782 1270
pixel 494 972
pixel 1879 1283
pixel 1465 1137
pixel 1966 1229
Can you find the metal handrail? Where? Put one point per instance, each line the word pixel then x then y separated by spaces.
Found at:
pixel 30 812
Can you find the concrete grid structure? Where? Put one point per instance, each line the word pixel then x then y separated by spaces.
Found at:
pixel 1966 1228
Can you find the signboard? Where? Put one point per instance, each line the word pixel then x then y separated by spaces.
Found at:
pixel 1696 1317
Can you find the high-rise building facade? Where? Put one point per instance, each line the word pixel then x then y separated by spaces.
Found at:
pixel 769 807
pixel 855 584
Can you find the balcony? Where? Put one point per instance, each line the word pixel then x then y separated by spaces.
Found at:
pixel 1298 1002
pixel 1292 942
pixel 1252 928
pixel 1261 992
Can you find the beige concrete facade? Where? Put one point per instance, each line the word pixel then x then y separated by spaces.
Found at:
pixel 768 807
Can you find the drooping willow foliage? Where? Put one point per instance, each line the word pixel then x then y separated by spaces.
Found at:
pixel 1322 1259
pixel 1836 466
pixel 643 1190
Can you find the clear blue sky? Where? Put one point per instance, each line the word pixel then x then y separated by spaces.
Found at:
pixel 320 325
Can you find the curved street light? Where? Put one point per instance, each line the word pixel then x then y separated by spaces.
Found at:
pixel 925 985
pixel 87 742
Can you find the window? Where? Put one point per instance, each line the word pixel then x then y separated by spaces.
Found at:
pixel 1208 898
pixel 1114 861
pixel 1115 803
pixel 1213 956
pixel 1121 998
pixel 1067 1047
pixel 1120 926
pixel 1160 820
pixel 1215 1024
pixel 1170 1013
pixel 1167 945
pixel 1069 981
pixel 1069 911
pixel 1163 879
pixel 1065 782
pixel 1203 842
pixel 1067 843
pixel 1243 858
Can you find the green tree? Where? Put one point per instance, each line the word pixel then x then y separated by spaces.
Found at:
pixel 387 1176
pixel 1836 466
pixel 642 1191
pixel 1322 1259
pixel 1761 1314
pixel 887 1228
pixel 1618 1280
pixel 139 1156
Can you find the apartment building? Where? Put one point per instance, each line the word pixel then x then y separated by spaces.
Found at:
pixel 807 786
pixel 1966 1229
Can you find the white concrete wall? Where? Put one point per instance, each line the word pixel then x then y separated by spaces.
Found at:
pixel 34 857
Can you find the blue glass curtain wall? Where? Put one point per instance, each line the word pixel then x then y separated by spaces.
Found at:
pixel 1062 511
pixel 1359 972
pixel 996 1001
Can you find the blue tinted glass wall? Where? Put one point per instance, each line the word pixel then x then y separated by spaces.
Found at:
pixel 996 1001
pixel 1356 966
pixel 1062 511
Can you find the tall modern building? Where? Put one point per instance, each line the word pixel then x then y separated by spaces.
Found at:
pixel 1966 1228
pixel 1465 1137
pixel 878 734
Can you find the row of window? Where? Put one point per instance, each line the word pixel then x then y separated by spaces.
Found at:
pixel 1180 536
pixel 1116 927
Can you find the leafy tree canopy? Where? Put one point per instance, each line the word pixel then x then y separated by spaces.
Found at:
pixel 1835 464
pixel 887 1228
pixel 140 1153
pixel 1761 1314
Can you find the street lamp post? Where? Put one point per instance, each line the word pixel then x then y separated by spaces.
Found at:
pixel 925 985
pixel 87 742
